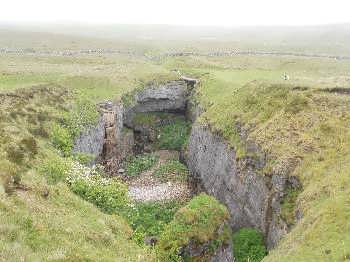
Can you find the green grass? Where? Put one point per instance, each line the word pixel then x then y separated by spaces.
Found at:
pixel 36 227
pixel 248 245
pixel 173 136
pixel 12 81
pixel 172 129
pixel 153 119
pixel 41 218
pixel 136 165
pixel 198 221
pixel 150 219
pixel 172 170
pixel 288 206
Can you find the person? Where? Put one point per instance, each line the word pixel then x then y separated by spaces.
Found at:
pixel 286 77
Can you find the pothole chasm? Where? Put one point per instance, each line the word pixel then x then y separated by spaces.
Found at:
pixel 154 170
pixel 146 145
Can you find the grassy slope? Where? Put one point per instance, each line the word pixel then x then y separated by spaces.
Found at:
pixel 61 226
pixel 306 133
pixel 41 221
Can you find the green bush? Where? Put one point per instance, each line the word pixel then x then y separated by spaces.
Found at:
pixel 15 154
pixel 172 170
pixel 248 245
pixel 173 136
pixel 138 164
pixel 84 114
pixel 62 139
pixel 108 194
pixel 198 221
pixel 288 205
pixel 30 145
pixel 149 219
pixel 54 168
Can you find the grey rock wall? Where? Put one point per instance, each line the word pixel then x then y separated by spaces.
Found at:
pixel 223 254
pixel 169 97
pixel 106 139
pixel 252 199
pixel 91 140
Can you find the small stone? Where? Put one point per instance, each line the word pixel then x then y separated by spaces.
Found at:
pixel 45 193
pixel 150 240
pixel 121 171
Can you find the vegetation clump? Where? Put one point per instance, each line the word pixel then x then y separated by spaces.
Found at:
pixel 172 170
pixel 54 168
pixel 83 115
pixel 288 205
pixel 201 221
pixel 150 219
pixel 109 194
pixel 138 164
pixel 248 245
pixel 172 130
pixel 173 136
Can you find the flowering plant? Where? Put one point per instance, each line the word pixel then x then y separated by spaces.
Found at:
pixel 109 194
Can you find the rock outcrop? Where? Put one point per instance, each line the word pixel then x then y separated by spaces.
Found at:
pixel 91 140
pixel 118 141
pixel 108 140
pixel 169 97
pixel 252 199
pixel 223 254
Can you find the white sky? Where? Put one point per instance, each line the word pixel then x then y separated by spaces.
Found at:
pixel 179 12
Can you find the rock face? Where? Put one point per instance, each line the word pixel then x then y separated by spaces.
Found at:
pixel 118 141
pixel 223 254
pixel 252 199
pixel 112 114
pixel 108 140
pixel 91 140
pixel 169 97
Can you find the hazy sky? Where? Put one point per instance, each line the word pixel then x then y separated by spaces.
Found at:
pixel 187 12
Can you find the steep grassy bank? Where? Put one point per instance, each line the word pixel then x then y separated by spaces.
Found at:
pixel 303 127
pixel 45 103
pixel 40 217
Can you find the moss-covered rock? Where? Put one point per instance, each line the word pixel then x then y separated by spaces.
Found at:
pixel 197 231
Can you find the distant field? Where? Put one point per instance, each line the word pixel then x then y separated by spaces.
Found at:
pixel 327 39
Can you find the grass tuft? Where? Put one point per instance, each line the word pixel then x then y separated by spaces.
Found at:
pixel 248 245
pixel 136 165
pixel 172 170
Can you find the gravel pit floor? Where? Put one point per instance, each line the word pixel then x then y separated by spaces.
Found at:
pixel 147 188
pixel 160 192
